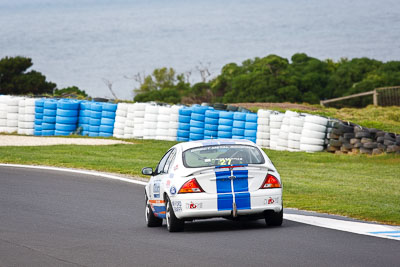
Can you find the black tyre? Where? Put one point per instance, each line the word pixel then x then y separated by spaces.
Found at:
pixel 173 224
pixel 274 218
pixel 334 142
pixel 390 137
pixel 151 219
pixel 354 141
pixel 347 146
pixel 377 151
pixel 380 139
pixel 366 140
pixel 346 127
pixel 336 132
pixel 365 151
pixel 231 108
pixel 348 135
pixel 371 145
pixel 363 134
pixel 387 142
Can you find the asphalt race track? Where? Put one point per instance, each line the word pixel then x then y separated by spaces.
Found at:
pixel 50 218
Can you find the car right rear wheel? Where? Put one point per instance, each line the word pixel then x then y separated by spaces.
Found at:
pixel 274 218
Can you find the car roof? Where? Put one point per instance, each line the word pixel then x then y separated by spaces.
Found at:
pixel 214 142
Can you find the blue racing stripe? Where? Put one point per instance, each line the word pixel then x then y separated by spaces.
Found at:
pixel 157 211
pixel 224 189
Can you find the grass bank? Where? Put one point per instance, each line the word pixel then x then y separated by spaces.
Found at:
pixel 360 186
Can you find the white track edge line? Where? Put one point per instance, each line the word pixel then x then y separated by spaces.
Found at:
pixel 93 173
pixel 291 217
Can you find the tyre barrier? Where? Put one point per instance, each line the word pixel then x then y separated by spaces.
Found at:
pixel 263 128
pixel 38 117
pixel 150 122
pixel 197 123
pixel 66 116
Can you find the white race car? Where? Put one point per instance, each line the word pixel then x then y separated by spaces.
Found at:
pixel 213 178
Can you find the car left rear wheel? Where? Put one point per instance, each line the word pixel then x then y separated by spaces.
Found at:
pixel 173 223
pixel 151 219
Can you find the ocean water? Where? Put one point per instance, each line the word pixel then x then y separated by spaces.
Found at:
pixel 84 42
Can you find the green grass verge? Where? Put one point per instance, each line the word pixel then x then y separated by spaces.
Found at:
pixel 360 186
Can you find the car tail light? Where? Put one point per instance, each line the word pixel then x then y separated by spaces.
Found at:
pixel 270 182
pixel 191 186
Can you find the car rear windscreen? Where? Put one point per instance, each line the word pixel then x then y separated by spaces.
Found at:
pixel 222 155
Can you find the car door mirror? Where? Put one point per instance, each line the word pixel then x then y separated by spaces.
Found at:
pixel 147 171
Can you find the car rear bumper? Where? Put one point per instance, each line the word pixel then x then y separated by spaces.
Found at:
pixel 204 205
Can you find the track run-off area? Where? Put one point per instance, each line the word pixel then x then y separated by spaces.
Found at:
pixel 62 217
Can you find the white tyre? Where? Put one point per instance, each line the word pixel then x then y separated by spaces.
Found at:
pixel 312 141
pixel 262 113
pixel 149 125
pixel 282 142
pixel 163 117
pixel 259 142
pixel 276 117
pixel 172 132
pixel 265 143
pixel 138 120
pixel 285 128
pixel 293 149
pixel 164 110
pixel 294 136
pixel 293 144
pixel 128 130
pixel 30 110
pixel 120 113
pixel 312 134
pixel 119 125
pixel 150 117
pixel 129 123
pixel 3 114
pixel 263 128
pixel 295 129
pixel 283 135
pixel 123 107
pixel 130 115
pixel 314 127
pixel 311 148
pixel 274 131
pixel 261 135
pixel 272 144
pixel 289 113
pixel 139 106
pixel 297 121
pixel 29 117
pixel 12 123
pixel 286 121
pixel 118 131
pixel 162 125
pixel 12 109
pixel 151 109
pixel 275 124
pixel 262 121
pixel 174 117
pixel 21 110
pixel 140 113
pixel 30 102
pixel 280 148
pixel 131 108
pixel 138 133
pixel 316 119
pixel 175 109
pixel 11 129
pixel 120 119
pixel 173 125
pixel 3 122
pixel 121 136
pixel 13 101
pixel 162 132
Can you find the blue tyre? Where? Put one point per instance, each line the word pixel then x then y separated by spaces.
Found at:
pixel 62 133
pixel 200 110
pixel 95 114
pixel 93 134
pixel 94 122
pixel 196 130
pixel 198 124
pixel 39 110
pixel 194 136
pixel 50 104
pixel 110 107
pixel 37 132
pixel 239 124
pixel 184 119
pixel 226 115
pixel 85 105
pixel 68 105
pixel 183 133
pixel 65 127
pixel 84 120
pixel 47 132
pixel 225 128
pixel 39 116
pixel 108 114
pixel 185 112
pixel 211 121
pixel 93 128
pixel 38 122
pixel 85 127
pixel 85 133
pixel 49 119
pixel 211 127
pixel 208 133
pixel 227 122
pixel 212 114
pixel 251 117
pixel 84 113
pixel 106 128
pixel 39 103
pixel 67 120
pixel 107 121
pixel 250 133
pixel 96 107
pixel 237 137
pixel 223 134
pixel 252 139
pixel 251 126
pixel 38 128
pixel 182 139
pixel 197 117
pixel 49 112
pixel 105 134
pixel 239 116
pixel 238 131
pixel 184 126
